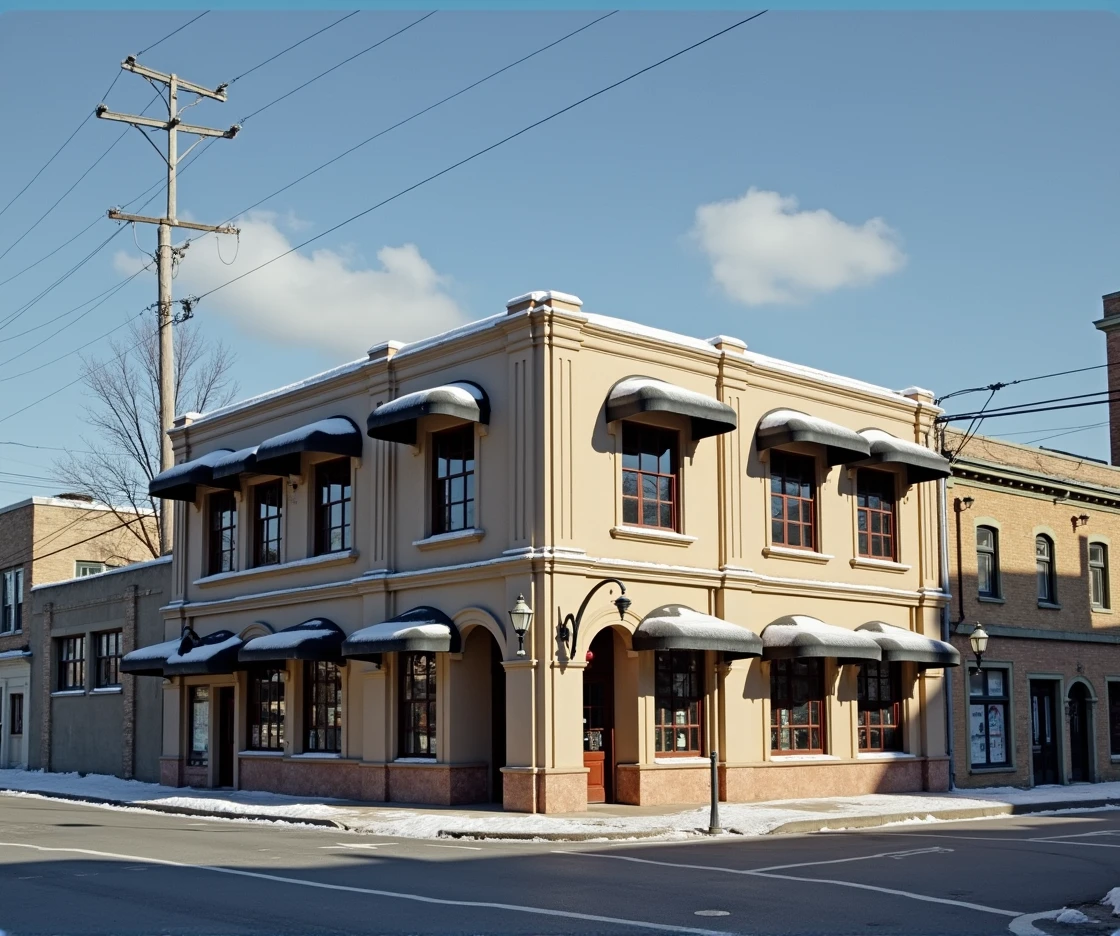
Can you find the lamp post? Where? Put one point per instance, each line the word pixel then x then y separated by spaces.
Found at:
pixel 521 616
pixel 568 628
pixel 979 641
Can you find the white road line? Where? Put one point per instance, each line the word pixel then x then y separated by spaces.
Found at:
pixel 417 898
pixel 925 898
pixel 467 847
pixel 898 854
pixel 370 847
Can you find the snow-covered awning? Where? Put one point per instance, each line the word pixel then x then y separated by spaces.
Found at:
pixel 423 629
pixel 678 627
pixel 280 455
pixel 205 656
pixel 786 426
pixel 634 395
pixel 899 645
pixel 395 421
pixel 797 636
pixel 229 468
pixel 150 660
pixel 180 482
pixel 921 463
pixel 317 639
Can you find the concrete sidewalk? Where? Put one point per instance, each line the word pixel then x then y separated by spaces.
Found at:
pixel 598 823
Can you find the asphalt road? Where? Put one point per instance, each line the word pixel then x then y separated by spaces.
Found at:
pixel 67 868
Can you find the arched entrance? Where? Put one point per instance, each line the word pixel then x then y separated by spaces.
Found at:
pixel 598 718
pixel 1079 710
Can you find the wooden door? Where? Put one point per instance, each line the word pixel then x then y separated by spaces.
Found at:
pixel 1079 734
pixel 598 719
pixel 1044 732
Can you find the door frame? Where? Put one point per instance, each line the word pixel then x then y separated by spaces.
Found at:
pixel 225 748
pixel 1090 728
pixel 608 680
pixel 1057 687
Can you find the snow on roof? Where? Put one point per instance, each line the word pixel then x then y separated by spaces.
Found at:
pixel 20 654
pixel 398 630
pixel 827 377
pixel 202 652
pixel 797 629
pixel 902 638
pixel 159 651
pixel 131 567
pixel 460 392
pixel 231 458
pixel 186 467
pixel 782 417
pixel 881 440
pixel 664 388
pixel 57 502
pixel 677 620
pixel 543 296
pixel 316 629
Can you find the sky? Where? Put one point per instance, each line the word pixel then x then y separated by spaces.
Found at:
pixel 907 198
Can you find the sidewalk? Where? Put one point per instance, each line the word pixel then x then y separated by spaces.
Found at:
pixel 599 822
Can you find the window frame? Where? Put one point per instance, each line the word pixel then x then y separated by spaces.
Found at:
pixel 323 527
pixel 781 464
pixel 1048 575
pixel 690 664
pixel 994 577
pixel 221 532
pixel 265 710
pixel 11 610
pixel 198 701
pixel 443 503
pixel 986 700
pixel 410 703
pixel 262 540
pixel 1098 573
pixel 15 714
pixel 638 435
pixel 317 738
pixel 85 567
pixel 785 671
pixel 888 491
pixel 71 676
pixel 107 666
pixel 866 707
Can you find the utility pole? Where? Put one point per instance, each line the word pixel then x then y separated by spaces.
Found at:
pixel 165 252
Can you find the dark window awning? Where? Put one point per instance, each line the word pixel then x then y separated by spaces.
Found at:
pixel 230 467
pixel 786 426
pixel 150 660
pixel 280 455
pixel 921 463
pixel 317 639
pixel 395 421
pixel 798 636
pixel 211 655
pixel 678 627
pixel 634 395
pixel 423 629
pixel 903 646
pixel 180 482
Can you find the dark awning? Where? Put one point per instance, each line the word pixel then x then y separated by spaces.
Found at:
pixel 230 467
pixel 317 639
pixel 798 636
pixel 395 421
pixel 678 627
pixel 180 482
pixel 921 463
pixel 280 455
pixel 150 660
pixel 634 395
pixel 423 629
pixel 211 655
pixel 903 646
pixel 785 426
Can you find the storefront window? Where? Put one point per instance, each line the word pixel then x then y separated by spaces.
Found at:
pixel 200 726
pixel 322 708
pixel 679 701
pixel 266 710
pixel 880 711
pixel 418 704
pixel 797 706
pixel 988 723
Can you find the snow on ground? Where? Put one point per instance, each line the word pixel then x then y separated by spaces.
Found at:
pixel 1072 793
pixel 1071 916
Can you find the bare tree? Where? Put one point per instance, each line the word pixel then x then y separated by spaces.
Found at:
pixel 122 455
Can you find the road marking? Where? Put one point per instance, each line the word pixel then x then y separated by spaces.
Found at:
pixel 30 877
pixel 371 847
pixel 1024 925
pixel 711 913
pixel 369 891
pixel 467 847
pixel 925 898
pixel 895 855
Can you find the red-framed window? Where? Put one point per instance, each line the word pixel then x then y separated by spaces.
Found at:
pixel 679 701
pixel 879 700
pixel 793 489
pixel 797 709
pixel 649 476
pixel 875 514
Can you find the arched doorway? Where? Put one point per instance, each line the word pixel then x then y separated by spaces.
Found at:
pixel 598 718
pixel 1080 768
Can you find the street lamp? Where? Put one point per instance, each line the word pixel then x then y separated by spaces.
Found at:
pixel 570 635
pixel 979 640
pixel 521 616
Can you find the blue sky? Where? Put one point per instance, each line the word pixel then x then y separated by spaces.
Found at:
pixel 935 195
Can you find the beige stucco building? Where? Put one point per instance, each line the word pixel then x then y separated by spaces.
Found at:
pixel 348 551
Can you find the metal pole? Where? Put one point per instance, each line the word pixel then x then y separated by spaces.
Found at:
pixel 713 819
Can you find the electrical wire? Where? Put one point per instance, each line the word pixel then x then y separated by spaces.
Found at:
pixel 172 33
pixel 289 48
pixel 9 560
pixel 1058 435
pixel 1027 412
pixel 481 152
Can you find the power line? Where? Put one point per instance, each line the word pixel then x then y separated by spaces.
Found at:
pixel 120 526
pixel 45 448
pixel 1028 412
pixel 1058 435
pixel 1000 385
pixel 292 46
pixel 172 33
pixel 481 152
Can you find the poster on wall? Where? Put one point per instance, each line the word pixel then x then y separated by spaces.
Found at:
pixel 995 734
pixel 976 734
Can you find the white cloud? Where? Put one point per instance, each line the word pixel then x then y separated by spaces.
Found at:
pixel 325 298
pixel 764 251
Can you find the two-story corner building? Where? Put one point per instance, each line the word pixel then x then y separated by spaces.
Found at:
pixel 45 539
pixel 552 558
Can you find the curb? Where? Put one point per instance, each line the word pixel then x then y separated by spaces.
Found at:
pixel 551 836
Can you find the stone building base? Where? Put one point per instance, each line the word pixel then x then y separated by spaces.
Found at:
pixel 171 771
pixel 540 790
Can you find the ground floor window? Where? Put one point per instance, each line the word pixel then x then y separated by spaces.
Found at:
pixel 988 696
pixel 679 701
pixel 200 726
pixel 322 707
pixel 797 706
pixel 418 704
pixel 1114 718
pixel 266 710
pixel 71 663
pixel 15 705
pixel 880 708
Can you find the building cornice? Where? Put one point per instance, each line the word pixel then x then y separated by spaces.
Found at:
pixel 1034 482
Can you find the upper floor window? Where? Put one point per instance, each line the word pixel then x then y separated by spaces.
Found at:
pixel 108 659
pixel 880 710
pixel 678 701
pixel 266 710
pixel 1098 576
pixel 418 704
pixel 797 706
pixel 875 519
pixel 649 476
pixel 792 496
pixel 333 506
pixel 453 479
pixel 1044 564
pixel 223 532
pixel 11 600
pixel 268 506
pixel 83 568
pixel 71 663
pixel 322 706
pixel 987 562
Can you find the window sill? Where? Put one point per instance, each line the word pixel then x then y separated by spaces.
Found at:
pixel 317 755
pixel 879 565
pixel 885 755
pixel 14 633
pixel 106 690
pixel 414 760
pixel 1050 606
pixel 67 692
pixel 456 538
pixel 260 753
pixel 781 758
pixel 1102 610
pixel 799 555
pixel 685 760
pixel 312 562
pixel 651 535
pixel 991 770
pixel 991 599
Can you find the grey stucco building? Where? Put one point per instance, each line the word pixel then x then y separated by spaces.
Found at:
pixel 90 716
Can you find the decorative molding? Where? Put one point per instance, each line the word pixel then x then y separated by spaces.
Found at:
pixel 878 565
pixel 651 535
pixel 456 538
pixel 798 555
